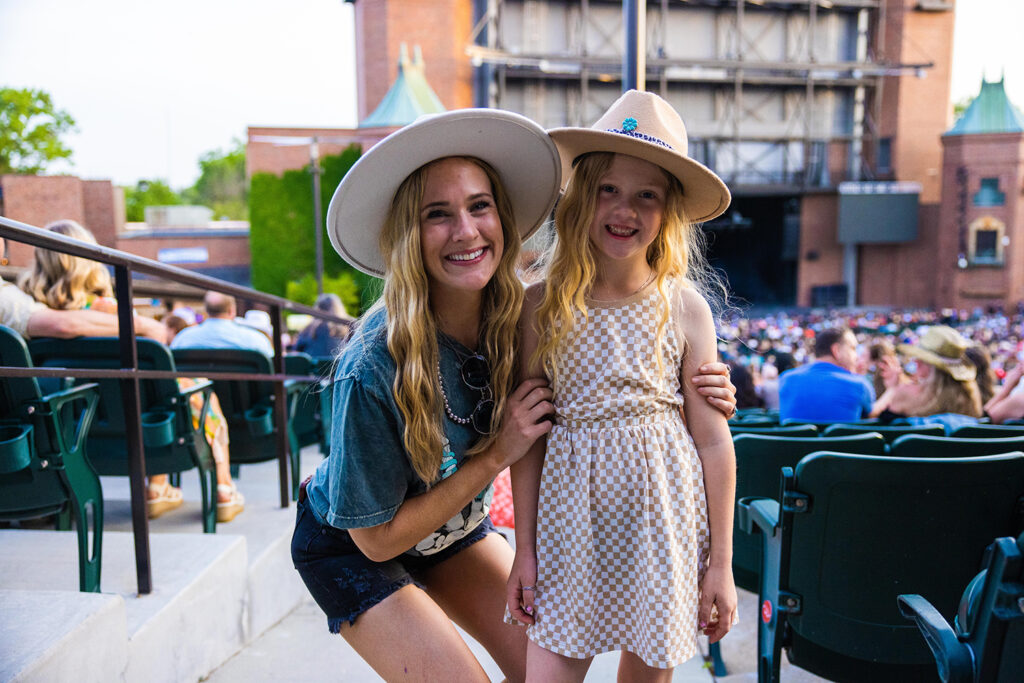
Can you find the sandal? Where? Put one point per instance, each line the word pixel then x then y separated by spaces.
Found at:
pixel 167 498
pixel 228 510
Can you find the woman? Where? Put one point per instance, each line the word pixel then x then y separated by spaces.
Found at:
pixel 942 382
pixel 67 282
pixel 392 534
pixel 324 338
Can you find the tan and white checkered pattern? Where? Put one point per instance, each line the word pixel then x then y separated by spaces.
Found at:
pixel 622 529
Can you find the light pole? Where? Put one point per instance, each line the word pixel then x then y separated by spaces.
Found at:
pixel 318 230
pixel 634 60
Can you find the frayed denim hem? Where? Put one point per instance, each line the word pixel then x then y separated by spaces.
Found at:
pixel 334 624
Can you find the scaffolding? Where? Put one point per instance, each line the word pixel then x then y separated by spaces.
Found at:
pixel 778 96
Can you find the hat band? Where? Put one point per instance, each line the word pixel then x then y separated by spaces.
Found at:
pixel 641 136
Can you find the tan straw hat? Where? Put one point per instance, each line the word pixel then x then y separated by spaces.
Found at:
pixel 943 348
pixel 517 148
pixel 643 125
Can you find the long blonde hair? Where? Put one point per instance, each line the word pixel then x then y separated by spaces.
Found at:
pixel 569 268
pixel 943 394
pixel 62 281
pixel 412 325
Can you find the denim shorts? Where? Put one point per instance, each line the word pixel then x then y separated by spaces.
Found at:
pixel 344 582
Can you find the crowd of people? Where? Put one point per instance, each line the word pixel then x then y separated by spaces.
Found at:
pixel 975 355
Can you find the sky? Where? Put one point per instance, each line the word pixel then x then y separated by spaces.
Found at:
pixel 154 85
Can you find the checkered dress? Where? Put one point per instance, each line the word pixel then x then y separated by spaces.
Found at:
pixel 622 528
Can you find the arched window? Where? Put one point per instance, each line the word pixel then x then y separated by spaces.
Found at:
pixel 986 241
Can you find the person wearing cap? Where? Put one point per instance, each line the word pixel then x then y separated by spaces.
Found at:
pixel 393 537
pixel 943 380
pixel 221 330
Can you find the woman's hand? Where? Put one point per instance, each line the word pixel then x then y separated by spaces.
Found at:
pixel 522 586
pixel 714 384
pixel 891 372
pixel 525 421
pixel 718 601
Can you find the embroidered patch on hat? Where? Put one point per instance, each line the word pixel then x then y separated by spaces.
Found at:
pixel 633 134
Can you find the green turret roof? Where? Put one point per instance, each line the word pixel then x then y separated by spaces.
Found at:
pixel 990 112
pixel 409 98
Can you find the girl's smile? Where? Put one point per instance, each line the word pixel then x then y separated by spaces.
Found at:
pixel 630 205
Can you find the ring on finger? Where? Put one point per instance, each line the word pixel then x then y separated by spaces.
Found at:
pixel 530 588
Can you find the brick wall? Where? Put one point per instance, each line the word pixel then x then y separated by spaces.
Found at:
pixel 440 27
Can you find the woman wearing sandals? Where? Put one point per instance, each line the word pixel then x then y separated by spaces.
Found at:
pixel 393 537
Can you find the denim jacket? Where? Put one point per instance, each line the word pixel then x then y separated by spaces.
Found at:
pixel 369 474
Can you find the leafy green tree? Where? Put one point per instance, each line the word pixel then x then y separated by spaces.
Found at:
pixel 30 131
pixel 148 193
pixel 281 237
pixel 344 285
pixel 222 185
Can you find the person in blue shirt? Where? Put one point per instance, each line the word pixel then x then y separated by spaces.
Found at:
pixel 827 390
pixel 220 331
pixel 393 538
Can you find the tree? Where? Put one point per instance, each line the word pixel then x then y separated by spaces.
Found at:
pixel 30 131
pixel 221 185
pixel 147 193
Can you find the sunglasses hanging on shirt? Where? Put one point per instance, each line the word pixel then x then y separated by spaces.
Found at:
pixel 475 374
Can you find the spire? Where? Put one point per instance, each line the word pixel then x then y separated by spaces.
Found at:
pixel 990 112
pixel 410 95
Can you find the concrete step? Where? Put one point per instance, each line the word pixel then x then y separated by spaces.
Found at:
pixel 212 593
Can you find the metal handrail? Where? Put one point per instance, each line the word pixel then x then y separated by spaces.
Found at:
pixel 124 265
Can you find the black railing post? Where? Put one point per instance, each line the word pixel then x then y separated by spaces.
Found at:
pixel 133 427
pixel 281 408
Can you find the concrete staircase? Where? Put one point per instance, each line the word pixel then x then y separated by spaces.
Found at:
pixel 213 594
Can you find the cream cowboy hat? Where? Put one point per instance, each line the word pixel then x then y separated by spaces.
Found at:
pixel 517 148
pixel 943 348
pixel 643 125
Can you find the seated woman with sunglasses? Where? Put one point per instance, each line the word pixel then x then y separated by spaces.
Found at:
pixel 392 535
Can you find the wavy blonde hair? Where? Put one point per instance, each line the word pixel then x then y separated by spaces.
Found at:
pixel 943 394
pixel 412 324
pixel 62 281
pixel 569 268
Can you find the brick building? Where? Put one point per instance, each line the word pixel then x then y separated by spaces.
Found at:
pixel 219 249
pixel 788 102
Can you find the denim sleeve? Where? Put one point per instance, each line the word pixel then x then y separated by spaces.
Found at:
pixel 369 471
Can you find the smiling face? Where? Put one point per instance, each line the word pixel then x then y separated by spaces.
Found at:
pixel 630 207
pixel 460 232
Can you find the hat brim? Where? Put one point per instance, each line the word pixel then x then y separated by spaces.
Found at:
pixel 705 196
pixel 518 149
pixel 960 370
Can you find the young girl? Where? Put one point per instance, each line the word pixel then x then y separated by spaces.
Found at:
pixel 624 522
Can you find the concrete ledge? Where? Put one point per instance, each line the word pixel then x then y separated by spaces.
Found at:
pixel 51 636
pixel 275 588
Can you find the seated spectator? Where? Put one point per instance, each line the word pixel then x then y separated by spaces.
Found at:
pixel 220 330
pixel 878 350
pixel 325 338
pixel 982 360
pixel 68 281
pixel 1008 402
pixel 177 320
pixel 942 379
pixel 746 392
pixel 826 390
pixel 30 318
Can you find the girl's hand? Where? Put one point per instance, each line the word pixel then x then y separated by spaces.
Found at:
pixel 525 420
pixel 521 588
pixel 717 603
pixel 714 384
pixel 104 304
